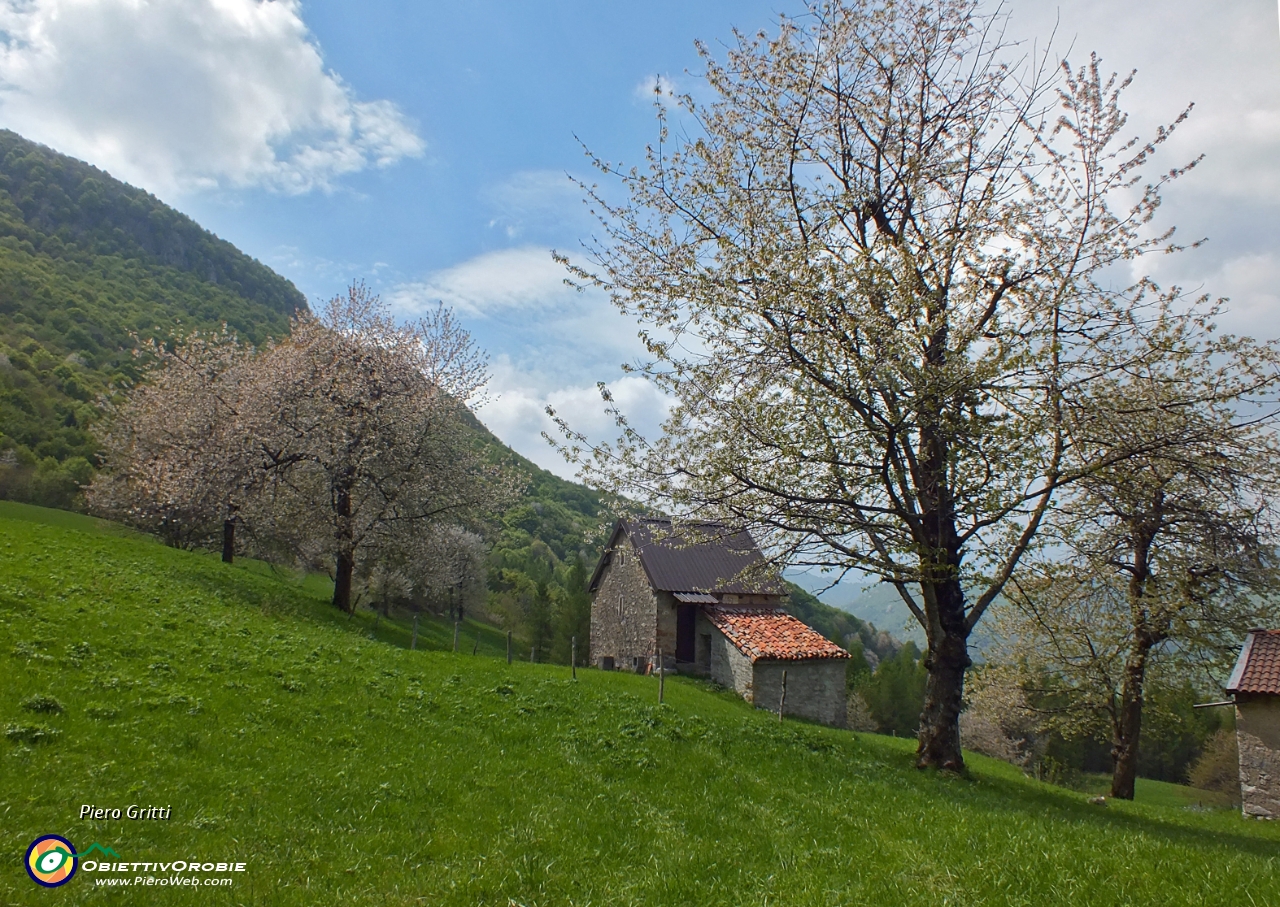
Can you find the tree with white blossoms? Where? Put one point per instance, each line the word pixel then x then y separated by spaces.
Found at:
pixel 1162 559
pixel 343 440
pixel 358 424
pixel 873 275
pixel 176 459
pixel 439 568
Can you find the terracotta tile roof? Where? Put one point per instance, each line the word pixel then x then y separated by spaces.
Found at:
pixel 772 633
pixel 1258 667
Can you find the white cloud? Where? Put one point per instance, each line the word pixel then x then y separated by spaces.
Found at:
pixel 1223 58
pixel 181 95
pixel 517 412
pixel 661 86
pixel 510 279
pixel 552 345
pixel 547 203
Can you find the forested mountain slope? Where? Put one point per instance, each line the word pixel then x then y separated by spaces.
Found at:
pixel 86 263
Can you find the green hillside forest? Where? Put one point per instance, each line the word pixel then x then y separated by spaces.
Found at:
pixel 88 267
pixel 342 767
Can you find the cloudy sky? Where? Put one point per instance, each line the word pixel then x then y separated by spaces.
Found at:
pixel 427 146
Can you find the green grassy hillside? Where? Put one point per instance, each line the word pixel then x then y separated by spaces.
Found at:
pixel 343 769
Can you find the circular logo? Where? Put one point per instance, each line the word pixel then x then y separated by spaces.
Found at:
pixel 51 861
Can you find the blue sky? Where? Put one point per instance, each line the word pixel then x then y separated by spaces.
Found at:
pixel 424 146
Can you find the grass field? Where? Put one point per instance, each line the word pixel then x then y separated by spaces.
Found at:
pixel 1162 793
pixel 344 770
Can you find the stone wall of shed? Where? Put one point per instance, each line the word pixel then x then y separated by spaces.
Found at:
pixel 727 665
pixel 815 688
pixel 1258 736
pixel 624 611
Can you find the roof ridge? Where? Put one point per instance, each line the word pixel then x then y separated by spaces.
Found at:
pixel 697 557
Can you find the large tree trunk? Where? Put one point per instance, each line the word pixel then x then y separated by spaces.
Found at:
pixel 342 581
pixel 948 654
pixel 1127 728
pixel 946 662
pixel 345 562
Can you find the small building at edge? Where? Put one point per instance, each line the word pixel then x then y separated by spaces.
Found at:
pixel 1255 686
pixel 701 595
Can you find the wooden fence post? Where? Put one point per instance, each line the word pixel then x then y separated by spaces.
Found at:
pixel 573 657
pixel 413 643
pixel 782 700
pixel 508 647
pixel 455 636
pixel 532 652
pixel 476 647
pixel 662 677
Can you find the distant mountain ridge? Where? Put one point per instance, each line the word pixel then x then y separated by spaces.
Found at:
pixel 70 210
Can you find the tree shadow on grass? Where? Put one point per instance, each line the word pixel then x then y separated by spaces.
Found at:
pixel 1038 800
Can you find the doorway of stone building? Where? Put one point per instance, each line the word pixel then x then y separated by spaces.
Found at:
pixel 686 622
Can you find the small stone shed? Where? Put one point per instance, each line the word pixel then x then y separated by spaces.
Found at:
pixel 701 595
pixel 1255 686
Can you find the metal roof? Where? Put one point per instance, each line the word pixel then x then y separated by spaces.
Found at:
pixel 696 598
pixel 694 557
pixel 1257 669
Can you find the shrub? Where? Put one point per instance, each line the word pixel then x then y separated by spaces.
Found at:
pixel 895 692
pixel 1217 767
pixel 858 715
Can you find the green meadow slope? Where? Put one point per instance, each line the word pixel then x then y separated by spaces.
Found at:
pixel 347 769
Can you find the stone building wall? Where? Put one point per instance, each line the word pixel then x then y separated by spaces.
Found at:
pixel 666 617
pixel 815 688
pixel 725 663
pixel 1258 736
pixel 623 610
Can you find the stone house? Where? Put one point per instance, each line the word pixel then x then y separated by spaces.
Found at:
pixel 1255 686
pixel 703 596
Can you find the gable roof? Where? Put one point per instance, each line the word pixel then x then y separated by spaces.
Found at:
pixel 771 633
pixel 708 559
pixel 1257 669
